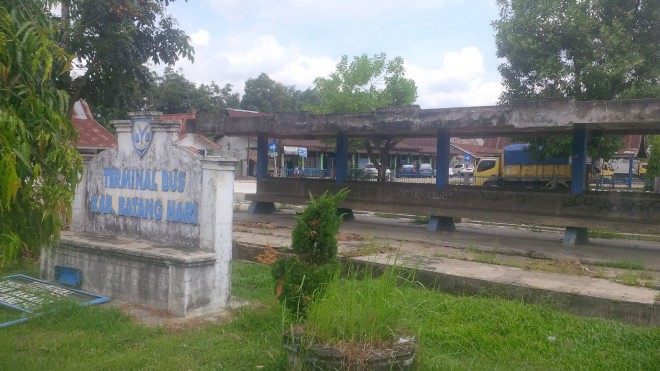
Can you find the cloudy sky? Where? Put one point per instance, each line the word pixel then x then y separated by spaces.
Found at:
pixel 448 45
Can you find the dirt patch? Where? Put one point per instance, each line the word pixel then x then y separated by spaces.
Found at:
pixel 350 237
pixel 161 318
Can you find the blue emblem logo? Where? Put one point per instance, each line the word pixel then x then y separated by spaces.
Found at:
pixel 141 133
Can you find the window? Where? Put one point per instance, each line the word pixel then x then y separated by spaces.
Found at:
pixel 486 165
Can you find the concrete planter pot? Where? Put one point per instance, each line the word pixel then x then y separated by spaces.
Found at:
pixel 302 356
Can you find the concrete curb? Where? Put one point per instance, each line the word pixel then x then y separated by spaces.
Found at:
pixel 630 312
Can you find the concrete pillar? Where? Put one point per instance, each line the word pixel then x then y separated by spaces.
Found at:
pixel 341 167
pixel 575 236
pixel 262 156
pixel 78 209
pixel 441 223
pixel 579 160
pixel 216 218
pixel 442 159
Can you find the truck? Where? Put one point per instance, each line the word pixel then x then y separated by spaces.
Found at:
pixel 516 168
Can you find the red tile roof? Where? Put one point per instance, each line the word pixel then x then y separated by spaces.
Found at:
pixel 91 134
pixel 632 144
pixel 183 117
pixel 204 141
pixel 496 143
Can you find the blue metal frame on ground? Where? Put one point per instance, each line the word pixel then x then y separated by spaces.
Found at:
pixel 27 295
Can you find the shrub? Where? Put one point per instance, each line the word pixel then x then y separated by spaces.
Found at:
pixel 314 242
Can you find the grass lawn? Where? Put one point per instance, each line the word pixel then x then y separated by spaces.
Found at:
pixel 463 333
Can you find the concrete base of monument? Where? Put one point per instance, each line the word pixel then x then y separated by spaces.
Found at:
pixel 178 280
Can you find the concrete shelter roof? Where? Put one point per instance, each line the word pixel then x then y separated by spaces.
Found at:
pixel 547 116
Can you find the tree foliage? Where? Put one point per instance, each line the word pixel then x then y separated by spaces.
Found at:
pixel 113 41
pixel 653 165
pixel 264 94
pixel 39 165
pixel 173 93
pixel 589 50
pixel 364 84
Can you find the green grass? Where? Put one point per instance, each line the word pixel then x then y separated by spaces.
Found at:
pixel 387 215
pixel 462 333
pixel 366 310
pixel 421 219
pixel 609 235
pixel 620 264
pixel 631 278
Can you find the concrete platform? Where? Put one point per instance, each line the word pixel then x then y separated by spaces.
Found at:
pixel 379 240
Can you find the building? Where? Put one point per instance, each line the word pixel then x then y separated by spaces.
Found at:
pixel 92 136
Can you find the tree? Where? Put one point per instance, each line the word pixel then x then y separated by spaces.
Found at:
pixel 364 84
pixel 113 40
pixel 215 99
pixel 264 94
pixel 173 93
pixel 39 164
pixel 589 50
pixel 653 166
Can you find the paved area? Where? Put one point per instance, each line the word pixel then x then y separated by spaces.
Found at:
pixel 527 260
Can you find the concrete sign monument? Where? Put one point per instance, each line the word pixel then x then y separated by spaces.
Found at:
pixel 152 222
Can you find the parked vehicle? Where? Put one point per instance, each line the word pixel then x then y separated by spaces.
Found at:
pixel 372 171
pixel 642 168
pixel 461 169
pixel 407 170
pixel 425 170
pixel 516 168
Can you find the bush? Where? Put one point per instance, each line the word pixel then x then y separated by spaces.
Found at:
pixel 300 278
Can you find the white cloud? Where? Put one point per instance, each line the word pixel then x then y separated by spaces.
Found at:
pixel 295 41
pixel 200 38
pixel 458 81
pixel 244 58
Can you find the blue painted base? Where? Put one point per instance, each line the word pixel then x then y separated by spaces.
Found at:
pixel 441 223
pixel 261 207
pixel 348 214
pixel 575 236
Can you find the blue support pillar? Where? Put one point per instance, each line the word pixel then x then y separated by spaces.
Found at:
pixel 579 161
pixel 262 155
pixel 442 160
pixel 578 236
pixel 260 207
pixel 341 166
pixel 575 236
pixel 630 171
pixel 441 223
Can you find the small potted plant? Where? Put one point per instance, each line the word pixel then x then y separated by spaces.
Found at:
pixel 355 325
pixel 343 323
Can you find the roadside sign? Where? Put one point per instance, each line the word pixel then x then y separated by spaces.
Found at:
pixel 25 296
pixel 273 146
pixel 467 157
pixel 302 151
